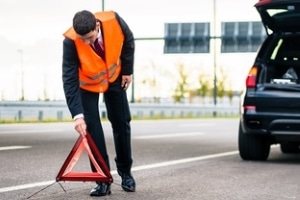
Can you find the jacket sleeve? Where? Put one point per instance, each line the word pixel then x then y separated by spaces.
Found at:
pixel 70 77
pixel 127 53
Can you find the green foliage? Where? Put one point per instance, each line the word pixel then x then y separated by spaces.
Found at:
pixel 205 88
pixel 230 94
pixel 221 82
pixel 205 85
pixel 182 85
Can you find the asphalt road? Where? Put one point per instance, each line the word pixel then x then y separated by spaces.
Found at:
pixel 173 159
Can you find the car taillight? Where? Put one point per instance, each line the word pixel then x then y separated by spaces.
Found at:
pixel 249 108
pixel 263 2
pixel 251 78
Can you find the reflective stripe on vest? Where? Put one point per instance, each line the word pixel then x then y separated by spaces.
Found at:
pixel 103 81
pixel 111 69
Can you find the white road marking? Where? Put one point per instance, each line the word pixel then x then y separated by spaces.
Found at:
pixel 200 124
pixel 186 160
pixel 25 186
pixel 138 168
pixel 30 131
pixel 168 135
pixel 14 147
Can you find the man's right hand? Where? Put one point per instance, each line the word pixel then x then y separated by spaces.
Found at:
pixel 80 126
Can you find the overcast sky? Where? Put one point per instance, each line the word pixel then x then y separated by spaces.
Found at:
pixel 36 26
pixel 28 20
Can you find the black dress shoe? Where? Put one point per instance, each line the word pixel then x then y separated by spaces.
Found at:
pixel 128 182
pixel 102 189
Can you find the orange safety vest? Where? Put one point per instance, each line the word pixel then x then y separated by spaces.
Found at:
pixel 94 73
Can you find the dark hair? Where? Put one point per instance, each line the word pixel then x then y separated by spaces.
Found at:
pixel 84 22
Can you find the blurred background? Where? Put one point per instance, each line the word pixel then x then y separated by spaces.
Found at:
pixel 170 65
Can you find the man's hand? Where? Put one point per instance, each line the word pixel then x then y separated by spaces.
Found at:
pixel 80 126
pixel 126 80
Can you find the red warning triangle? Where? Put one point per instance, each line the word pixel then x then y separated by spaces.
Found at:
pixel 84 143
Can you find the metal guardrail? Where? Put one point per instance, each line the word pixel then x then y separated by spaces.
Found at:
pixel 58 110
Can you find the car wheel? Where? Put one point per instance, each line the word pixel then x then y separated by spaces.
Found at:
pixel 288 147
pixel 253 147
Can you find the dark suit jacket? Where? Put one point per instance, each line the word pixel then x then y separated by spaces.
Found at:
pixel 70 65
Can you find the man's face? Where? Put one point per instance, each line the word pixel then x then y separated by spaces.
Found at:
pixel 90 37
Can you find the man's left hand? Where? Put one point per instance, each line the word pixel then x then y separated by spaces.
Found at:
pixel 126 80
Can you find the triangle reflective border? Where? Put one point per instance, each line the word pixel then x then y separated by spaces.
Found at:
pixel 84 143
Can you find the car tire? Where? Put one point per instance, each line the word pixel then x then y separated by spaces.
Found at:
pixel 288 147
pixel 253 147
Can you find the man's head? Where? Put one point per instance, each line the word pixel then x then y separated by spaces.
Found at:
pixel 86 26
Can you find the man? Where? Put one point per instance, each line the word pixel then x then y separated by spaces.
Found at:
pixel 98 56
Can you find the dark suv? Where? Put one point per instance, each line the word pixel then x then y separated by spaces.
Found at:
pixel 270 103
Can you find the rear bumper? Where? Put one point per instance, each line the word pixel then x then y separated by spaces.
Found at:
pixel 271 123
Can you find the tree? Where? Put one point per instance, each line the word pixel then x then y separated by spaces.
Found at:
pixel 151 81
pixel 205 85
pixel 230 94
pixel 182 85
pixel 221 81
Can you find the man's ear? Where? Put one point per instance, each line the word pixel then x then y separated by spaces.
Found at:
pixel 98 25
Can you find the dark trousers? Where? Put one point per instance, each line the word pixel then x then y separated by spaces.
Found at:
pixel 118 113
